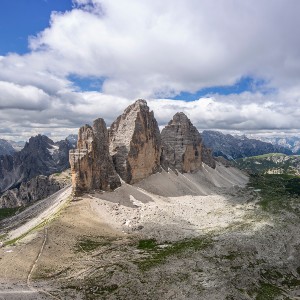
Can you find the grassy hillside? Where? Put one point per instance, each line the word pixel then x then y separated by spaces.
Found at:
pixel 274 163
pixel 277 192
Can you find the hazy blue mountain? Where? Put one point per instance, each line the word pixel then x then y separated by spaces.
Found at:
pixel 6 148
pixel 233 147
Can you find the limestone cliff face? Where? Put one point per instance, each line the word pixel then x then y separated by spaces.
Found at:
pixel 135 144
pixel 182 148
pixel 207 157
pixel 182 145
pixel 133 149
pixel 91 164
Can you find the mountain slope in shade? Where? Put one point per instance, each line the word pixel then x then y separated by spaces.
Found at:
pixel 232 147
pixel 6 148
pixel 40 156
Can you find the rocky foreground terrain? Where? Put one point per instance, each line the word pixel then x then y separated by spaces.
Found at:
pixel 170 236
pixel 154 216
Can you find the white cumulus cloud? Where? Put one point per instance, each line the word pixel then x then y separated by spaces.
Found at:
pixel 155 50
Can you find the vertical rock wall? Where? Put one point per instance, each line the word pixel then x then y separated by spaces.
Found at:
pixel 134 149
pixel 135 143
pixel 91 164
pixel 182 145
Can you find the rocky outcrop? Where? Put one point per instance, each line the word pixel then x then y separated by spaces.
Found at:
pixel 182 146
pixel 35 189
pixel 40 156
pixel 135 144
pixel 91 164
pixel 207 157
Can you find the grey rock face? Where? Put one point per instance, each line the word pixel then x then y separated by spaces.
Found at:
pixel 6 148
pixel 135 144
pixel 91 164
pixel 207 157
pixel 182 146
pixel 35 189
pixel 40 156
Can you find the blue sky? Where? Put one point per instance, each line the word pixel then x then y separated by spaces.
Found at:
pixel 244 84
pixel 20 19
pixel 226 68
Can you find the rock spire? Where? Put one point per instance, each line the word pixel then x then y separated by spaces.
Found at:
pixel 135 144
pixel 91 164
pixel 182 145
pixel 133 149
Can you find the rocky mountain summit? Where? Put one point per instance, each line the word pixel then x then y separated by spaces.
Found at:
pixel 234 147
pixel 40 156
pixel 182 146
pixel 91 164
pixel 137 149
pixel 135 144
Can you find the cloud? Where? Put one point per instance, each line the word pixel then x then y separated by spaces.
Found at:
pixel 231 113
pixel 22 97
pixel 155 50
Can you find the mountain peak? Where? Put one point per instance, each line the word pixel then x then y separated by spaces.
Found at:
pixel 180 118
pixel 140 102
pixel 135 142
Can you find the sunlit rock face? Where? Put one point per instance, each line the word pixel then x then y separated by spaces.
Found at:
pixel 135 144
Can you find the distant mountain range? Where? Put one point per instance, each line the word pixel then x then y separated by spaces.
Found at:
pixel 18 146
pixel 40 156
pixel 289 142
pixel 20 162
pixel 6 148
pixel 234 147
